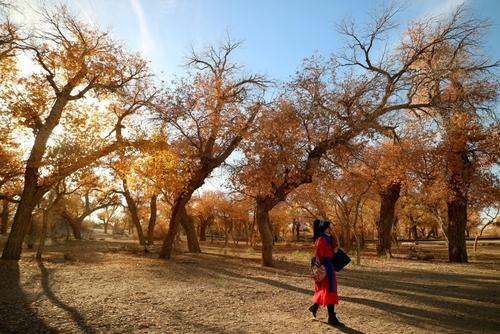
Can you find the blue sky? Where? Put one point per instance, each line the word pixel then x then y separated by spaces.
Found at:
pixel 277 34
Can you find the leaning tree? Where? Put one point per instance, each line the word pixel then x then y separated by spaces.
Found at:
pixel 206 118
pixel 73 61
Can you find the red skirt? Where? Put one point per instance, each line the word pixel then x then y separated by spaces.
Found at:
pixel 321 294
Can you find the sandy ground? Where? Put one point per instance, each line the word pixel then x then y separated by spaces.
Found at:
pixel 114 287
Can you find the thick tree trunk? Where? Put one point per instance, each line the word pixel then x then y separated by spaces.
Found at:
pixel 457 220
pixel 76 228
pixel 203 231
pixel 132 207
pixel 388 199
pixel 74 224
pixel 203 227
pixel 32 193
pixel 413 233
pixel 459 171
pixel 152 220
pixel 179 216
pixel 192 238
pixel 175 219
pixel 266 234
pixel 106 227
pixel 5 217
pixel 22 220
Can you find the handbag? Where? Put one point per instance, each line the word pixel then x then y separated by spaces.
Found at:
pixel 318 270
pixel 340 260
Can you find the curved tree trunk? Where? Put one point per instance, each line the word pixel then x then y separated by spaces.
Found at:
pixel 180 216
pixel 152 220
pixel 266 234
pixel 32 193
pixel 457 220
pixel 388 199
pixel 5 217
pixel 132 207
pixel 178 210
pixel 76 227
pixel 482 230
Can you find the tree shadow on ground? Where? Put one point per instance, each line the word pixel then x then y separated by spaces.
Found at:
pixel 346 329
pixel 73 312
pixel 445 300
pixel 275 283
pixel 420 298
pixel 16 316
pixel 90 251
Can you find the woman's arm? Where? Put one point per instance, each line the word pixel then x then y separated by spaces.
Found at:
pixel 323 249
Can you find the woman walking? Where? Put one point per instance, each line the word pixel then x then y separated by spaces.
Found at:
pixel 325 292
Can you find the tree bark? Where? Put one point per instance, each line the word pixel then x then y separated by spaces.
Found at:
pixel 204 222
pixel 482 230
pixel 132 207
pixel 389 197
pixel 22 218
pixel 413 232
pixel 457 220
pixel 188 225
pixel 179 215
pixel 76 227
pixel 152 220
pixel 32 193
pixel 266 234
pixel 460 170
pixel 5 217
pixel 203 230
pixel 175 220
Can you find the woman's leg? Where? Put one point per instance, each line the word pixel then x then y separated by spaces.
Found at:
pixel 314 309
pixel 332 317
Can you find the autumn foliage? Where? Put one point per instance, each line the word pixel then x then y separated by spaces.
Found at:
pixel 402 143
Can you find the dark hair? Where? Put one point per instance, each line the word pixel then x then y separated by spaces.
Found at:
pixel 319 227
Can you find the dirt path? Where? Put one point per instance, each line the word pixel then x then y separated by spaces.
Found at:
pixel 117 288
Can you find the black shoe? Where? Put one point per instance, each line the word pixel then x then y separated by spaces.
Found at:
pixel 314 309
pixel 333 321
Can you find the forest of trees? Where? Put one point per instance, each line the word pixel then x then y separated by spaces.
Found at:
pixel 387 140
